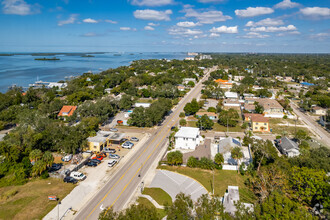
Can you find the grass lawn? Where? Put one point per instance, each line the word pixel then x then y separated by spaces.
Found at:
pixel 159 195
pixel 218 127
pixel 222 179
pixel 30 201
pixel 289 130
pixel 147 203
pixel 191 123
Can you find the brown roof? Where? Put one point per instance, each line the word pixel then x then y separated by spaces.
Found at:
pixel 317 108
pixel 269 103
pixel 67 110
pixel 249 107
pixel 259 118
pixel 202 150
pixel 206 113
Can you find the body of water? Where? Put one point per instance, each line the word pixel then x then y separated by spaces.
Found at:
pixel 22 70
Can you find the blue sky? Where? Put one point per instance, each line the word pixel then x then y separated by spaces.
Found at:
pixel 165 25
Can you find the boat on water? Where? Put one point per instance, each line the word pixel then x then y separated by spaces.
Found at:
pixel 47 59
pixel 117 54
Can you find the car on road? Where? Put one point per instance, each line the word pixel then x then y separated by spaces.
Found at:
pixel 134 139
pixel 69 179
pixel 114 156
pixel 112 162
pixel 109 150
pixel 127 145
pixel 95 161
pixel 78 175
pixel 113 129
pixel 91 164
pixel 97 158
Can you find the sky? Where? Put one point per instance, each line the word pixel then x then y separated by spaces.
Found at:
pixel 270 26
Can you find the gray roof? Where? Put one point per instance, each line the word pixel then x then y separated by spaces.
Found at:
pixel 230 198
pixel 227 144
pixel 286 144
pixel 187 132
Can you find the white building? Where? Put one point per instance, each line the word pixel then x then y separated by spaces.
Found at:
pixel 144 105
pixel 186 80
pixel 231 95
pixel 230 198
pixel 59 85
pixel 187 138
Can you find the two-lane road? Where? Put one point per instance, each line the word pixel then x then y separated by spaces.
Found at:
pixel 123 183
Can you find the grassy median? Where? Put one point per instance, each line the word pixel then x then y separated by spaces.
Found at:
pixel 159 195
pixel 30 201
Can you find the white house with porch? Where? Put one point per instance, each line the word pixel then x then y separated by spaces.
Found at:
pixel 188 138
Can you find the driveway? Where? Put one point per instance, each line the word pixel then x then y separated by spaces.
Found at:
pixel 174 183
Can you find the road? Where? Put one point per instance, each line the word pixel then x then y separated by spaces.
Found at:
pixel 312 125
pixel 122 185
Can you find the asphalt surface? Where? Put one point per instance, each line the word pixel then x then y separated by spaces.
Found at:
pixel 312 125
pixel 122 185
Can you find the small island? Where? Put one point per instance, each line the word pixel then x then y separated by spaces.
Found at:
pixel 87 55
pixel 47 59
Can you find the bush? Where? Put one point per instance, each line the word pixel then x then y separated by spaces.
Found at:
pixel 278 137
pixel 285 117
pixel 174 158
pixel 182 115
pixel 44 175
pixel 183 122
pixel 241 169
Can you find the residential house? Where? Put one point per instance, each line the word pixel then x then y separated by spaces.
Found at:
pixel 202 150
pixel 231 95
pixel 259 123
pixel 250 108
pixel 187 80
pixel 189 58
pixel 187 138
pixel 210 115
pixel 59 85
pixel 108 90
pixel 211 103
pixel 287 147
pixel 272 108
pixel 225 84
pixel 205 57
pixel 67 111
pixel 140 104
pixel 181 88
pixel 319 111
pixel 231 103
pixel 230 198
pixel 251 100
pixel 238 78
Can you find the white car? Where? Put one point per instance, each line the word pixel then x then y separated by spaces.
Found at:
pixel 78 175
pixel 127 145
pixel 112 162
pixel 134 139
pixel 114 156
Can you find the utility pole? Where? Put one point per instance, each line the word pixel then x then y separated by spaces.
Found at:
pixel 213 181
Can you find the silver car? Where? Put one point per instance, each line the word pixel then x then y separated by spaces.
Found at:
pixel 114 156
pixel 112 162
pixel 135 139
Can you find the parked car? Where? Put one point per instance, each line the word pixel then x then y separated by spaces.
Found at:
pixel 109 150
pixel 67 158
pixel 112 162
pixel 102 154
pixel 91 164
pixel 69 179
pixel 113 129
pixel 134 139
pixel 55 167
pixel 95 160
pixel 78 175
pixel 114 156
pixel 127 145
pixel 124 140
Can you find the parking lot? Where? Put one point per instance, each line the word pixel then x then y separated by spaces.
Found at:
pixel 96 178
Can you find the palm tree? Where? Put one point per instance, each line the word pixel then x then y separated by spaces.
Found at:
pixel 48 158
pixel 35 155
pixel 237 154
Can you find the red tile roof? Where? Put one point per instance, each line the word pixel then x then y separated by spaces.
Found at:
pixel 67 110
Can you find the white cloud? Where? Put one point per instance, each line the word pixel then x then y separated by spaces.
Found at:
pixel 127 29
pixel 149 28
pixel 288 33
pixel 153 24
pixel 315 12
pixel 187 24
pixel 184 31
pixel 90 20
pixel 252 12
pixel 19 7
pixel 274 29
pixel 251 35
pixel 111 21
pixel 206 17
pixel 152 3
pixel 153 15
pixel 224 29
pixel 214 35
pixel 71 20
pixel 320 36
pixel 287 4
pixel 211 1
pixel 265 22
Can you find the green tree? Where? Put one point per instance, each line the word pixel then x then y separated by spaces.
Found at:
pixel 209 208
pixel 134 212
pixel 183 122
pixel 258 108
pixel 182 115
pixel 192 107
pixel 229 117
pixel 182 208
pixel 175 158
pixel 204 123
pixel 125 102
pixel 191 84
pixel 192 162
pixel 301 135
pixel 35 155
pixel 218 159
pixel 48 158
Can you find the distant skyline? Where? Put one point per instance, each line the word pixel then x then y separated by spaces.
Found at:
pixel 271 26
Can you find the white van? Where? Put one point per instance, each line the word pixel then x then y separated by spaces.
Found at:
pixel 78 175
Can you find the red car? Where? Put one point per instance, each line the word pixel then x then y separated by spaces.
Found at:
pixel 98 158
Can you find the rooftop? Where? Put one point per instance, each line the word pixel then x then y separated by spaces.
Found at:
pixel 288 144
pixel 259 118
pixel 269 103
pixel 187 132
pixel 207 113
pixel 67 110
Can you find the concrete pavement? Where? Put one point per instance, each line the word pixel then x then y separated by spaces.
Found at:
pixel 120 187
pixel 312 125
